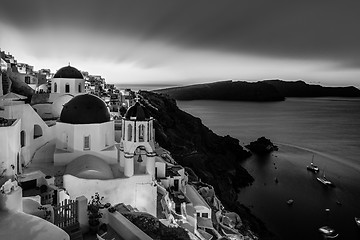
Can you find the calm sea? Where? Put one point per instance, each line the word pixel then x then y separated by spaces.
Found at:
pixel 327 129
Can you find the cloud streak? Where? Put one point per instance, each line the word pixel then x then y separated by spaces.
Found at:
pixel 175 35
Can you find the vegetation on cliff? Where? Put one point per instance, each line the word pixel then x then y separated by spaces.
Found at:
pixel 154 228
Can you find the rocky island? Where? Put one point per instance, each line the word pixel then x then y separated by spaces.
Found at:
pixel 261 91
pixel 262 146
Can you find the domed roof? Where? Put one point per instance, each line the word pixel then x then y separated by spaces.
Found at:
pixel 137 112
pixel 68 72
pixel 85 109
pixel 89 167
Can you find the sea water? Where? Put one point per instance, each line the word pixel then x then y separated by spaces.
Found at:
pixel 326 129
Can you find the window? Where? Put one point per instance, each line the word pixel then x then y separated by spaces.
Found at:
pixel 129 132
pixel 87 142
pixel 67 88
pixel 205 215
pixel 27 79
pixel 22 138
pixel 79 87
pixel 37 131
pixel 141 133
pixel 55 87
pixel 198 214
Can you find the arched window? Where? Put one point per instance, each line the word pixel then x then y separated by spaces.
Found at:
pixel 141 133
pixel 22 138
pixel 67 88
pixel 79 87
pixel 37 131
pixel 129 132
pixel 55 87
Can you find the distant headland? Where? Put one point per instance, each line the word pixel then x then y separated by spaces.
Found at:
pixel 267 90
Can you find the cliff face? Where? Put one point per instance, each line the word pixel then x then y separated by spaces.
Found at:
pixel 302 89
pixel 215 159
pixel 225 90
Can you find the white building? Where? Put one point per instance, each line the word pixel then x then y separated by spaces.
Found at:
pixel 66 83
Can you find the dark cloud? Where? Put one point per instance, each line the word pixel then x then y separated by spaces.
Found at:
pixel 302 29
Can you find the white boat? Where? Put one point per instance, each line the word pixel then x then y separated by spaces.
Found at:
pixel 357 220
pixel 324 180
pixel 312 167
pixel 328 232
pixel 290 202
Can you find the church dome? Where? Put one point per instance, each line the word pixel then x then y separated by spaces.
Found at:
pixel 68 72
pixel 85 109
pixel 137 112
pixel 89 167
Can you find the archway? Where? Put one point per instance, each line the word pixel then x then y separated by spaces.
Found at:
pixel 140 159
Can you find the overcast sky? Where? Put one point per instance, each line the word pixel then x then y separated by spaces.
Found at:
pixel 188 41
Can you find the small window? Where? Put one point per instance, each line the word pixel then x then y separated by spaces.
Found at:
pixel 37 131
pixel 205 215
pixel 79 88
pixel 129 132
pixel 87 142
pixel 67 88
pixel 55 87
pixel 22 138
pixel 198 214
pixel 27 79
pixel 141 133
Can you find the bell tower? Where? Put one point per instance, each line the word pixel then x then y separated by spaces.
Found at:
pixel 137 155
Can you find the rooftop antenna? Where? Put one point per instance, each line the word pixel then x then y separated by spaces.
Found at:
pixel 69 64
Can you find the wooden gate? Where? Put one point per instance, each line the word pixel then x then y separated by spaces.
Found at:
pixel 66 213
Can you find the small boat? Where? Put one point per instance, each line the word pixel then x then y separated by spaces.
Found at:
pixel 324 180
pixel 290 202
pixel 328 232
pixel 357 220
pixel 312 167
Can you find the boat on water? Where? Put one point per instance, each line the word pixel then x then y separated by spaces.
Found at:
pixel 290 202
pixel 312 167
pixel 328 232
pixel 325 181
pixel 357 221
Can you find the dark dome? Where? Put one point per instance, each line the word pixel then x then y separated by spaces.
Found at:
pixel 85 109
pixel 138 112
pixel 68 72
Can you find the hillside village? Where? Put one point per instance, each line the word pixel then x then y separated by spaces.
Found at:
pixel 79 160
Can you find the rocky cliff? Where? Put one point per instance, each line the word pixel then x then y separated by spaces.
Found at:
pixel 215 159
